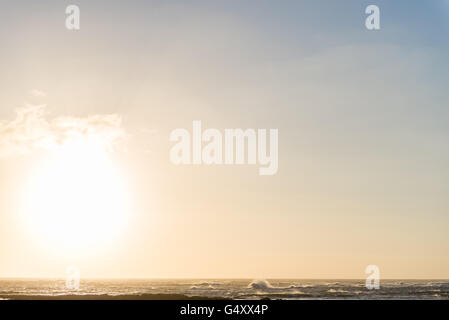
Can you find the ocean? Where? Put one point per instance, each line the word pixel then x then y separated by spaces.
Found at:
pixel 222 288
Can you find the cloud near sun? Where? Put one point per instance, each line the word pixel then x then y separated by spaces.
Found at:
pixel 33 130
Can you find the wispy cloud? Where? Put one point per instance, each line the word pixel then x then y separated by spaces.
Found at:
pixel 32 129
pixel 38 93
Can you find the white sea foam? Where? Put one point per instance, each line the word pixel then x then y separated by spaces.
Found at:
pixel 260 285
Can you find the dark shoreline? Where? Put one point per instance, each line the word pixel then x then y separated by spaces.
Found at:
pixel 108 297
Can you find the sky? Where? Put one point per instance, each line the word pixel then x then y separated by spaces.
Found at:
pixel 363 120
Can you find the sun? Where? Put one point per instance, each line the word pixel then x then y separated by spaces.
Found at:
pixel 77 200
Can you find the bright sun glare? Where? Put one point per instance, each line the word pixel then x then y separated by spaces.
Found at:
pixel 77 201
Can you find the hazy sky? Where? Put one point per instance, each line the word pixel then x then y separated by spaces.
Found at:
pixel 363 119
